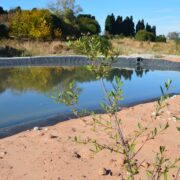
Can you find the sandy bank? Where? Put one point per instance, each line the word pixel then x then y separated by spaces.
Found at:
pixel 51 153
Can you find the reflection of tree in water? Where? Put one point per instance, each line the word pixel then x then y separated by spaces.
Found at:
pixel 45 79
pixel 126 74
pixel 140 73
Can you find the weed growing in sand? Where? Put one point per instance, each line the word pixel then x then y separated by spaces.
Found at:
pixel 128 146
pixel 161 103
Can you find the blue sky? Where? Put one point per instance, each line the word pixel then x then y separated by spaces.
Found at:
pixel 165 14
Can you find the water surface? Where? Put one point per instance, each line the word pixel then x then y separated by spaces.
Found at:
pixel 25 93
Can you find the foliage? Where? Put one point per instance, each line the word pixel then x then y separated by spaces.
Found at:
pixel 162 101
pixel 151 29
pixel 92 46
pixel 161 166
pixel 119 26
pixel 88 24
pixel 140 25
pixel 36 24
pixel 69 97
pixel 126 146
pixel 2 11
pixel 59 7
pixel 143 35
pixel 3 31
pixel 161 38
pixel 110 24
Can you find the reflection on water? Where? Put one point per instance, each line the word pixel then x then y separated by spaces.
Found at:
pixel 25 93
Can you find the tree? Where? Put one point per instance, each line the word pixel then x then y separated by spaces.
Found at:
pixel 35 24
pixel 3 31
pixel 140 25
pixel 60 6
pixel 14 10
pixel 88 24
pixel 144 35
pixel 110 24
pixel 174 35
pixel 128 27
pixel 160 38
pixel 2 11
pixel 118 25
pixel 151 29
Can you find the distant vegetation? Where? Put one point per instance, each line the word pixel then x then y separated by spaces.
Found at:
pixel 62 20
pixel 45 24
pixel 29 32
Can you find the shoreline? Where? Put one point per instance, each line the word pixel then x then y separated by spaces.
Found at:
pixel 43 122
pixel 52 153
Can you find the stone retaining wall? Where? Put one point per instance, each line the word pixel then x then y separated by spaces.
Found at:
pixel 121 62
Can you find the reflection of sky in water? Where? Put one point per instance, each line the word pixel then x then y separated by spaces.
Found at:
pixel 18 107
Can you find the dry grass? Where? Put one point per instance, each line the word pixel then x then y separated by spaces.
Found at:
pixel 129 46
pixel 126 46
pixel 38 48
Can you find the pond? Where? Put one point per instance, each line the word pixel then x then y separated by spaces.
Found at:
pixel 25 93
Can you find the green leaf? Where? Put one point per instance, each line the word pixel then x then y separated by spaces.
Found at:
pixel 149 174
pixel 162 149
pixel 165 174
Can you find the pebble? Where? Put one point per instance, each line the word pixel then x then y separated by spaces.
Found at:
pixel 52 136
pixel 77 155
pixel 36 128
pixel 173 97
pixel 3 153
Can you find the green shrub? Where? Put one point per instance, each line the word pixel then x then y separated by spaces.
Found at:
pixel 3 31
pixel 92 45
pixel 160 38
pixel 143 35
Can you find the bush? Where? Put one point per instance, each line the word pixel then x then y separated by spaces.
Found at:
pixel 160 38
pixel 35 24
pixel 3 31
pixel 94 45
pixel 143 35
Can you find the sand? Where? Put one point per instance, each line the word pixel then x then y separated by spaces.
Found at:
pixel 52 154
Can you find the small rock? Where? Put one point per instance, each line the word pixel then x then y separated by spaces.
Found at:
pixel 153 114
pixel 52 136
pixel 36 128
pixel 173 97
pixel 174 119
pixel 3 153
pixel 77 155
pixel 46 129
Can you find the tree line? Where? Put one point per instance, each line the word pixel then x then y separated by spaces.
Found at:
pixel 126 27
pixel 46 24
pixel 63 20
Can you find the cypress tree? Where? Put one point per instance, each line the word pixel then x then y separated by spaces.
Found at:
pixel 118 25
pixel 140 25
pixel 110 24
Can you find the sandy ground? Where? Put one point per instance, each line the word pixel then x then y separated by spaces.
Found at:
pixel 52 154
